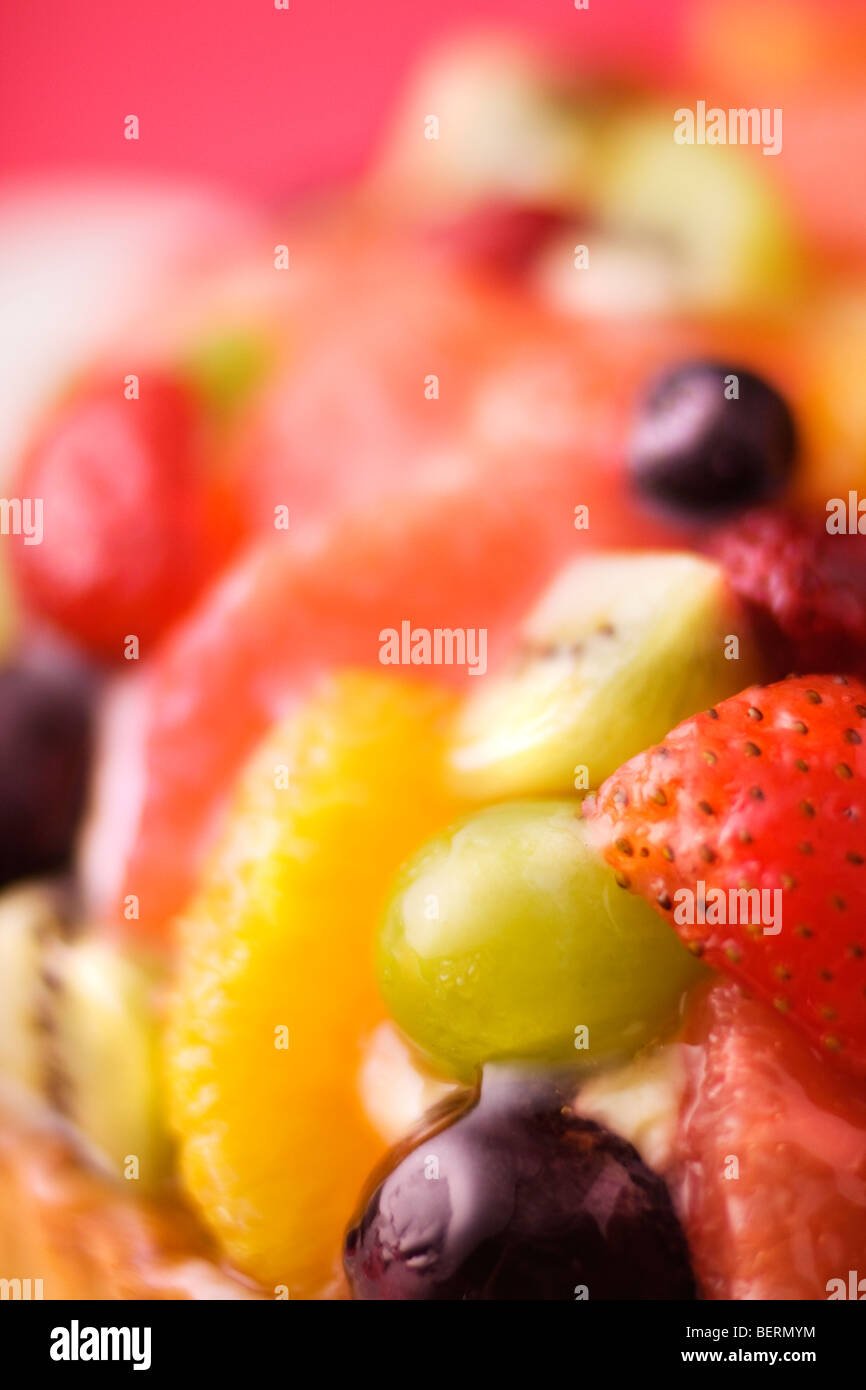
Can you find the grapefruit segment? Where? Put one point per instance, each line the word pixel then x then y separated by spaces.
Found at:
pixel 770 1166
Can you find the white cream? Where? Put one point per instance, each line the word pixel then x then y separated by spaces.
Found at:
pixel 639 1100
pixel 396 1089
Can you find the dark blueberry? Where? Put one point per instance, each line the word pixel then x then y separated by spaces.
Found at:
pixel 45 739
pixel 518 1198
pixel 700 449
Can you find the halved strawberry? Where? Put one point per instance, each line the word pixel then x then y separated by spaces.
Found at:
pixel 746 828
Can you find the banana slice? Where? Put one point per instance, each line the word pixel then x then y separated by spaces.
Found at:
pixel 619 650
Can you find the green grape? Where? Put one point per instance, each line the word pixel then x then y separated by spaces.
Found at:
pixel 508 936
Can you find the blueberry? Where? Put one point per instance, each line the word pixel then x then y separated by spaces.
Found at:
pixel 711 439
pixel 45 737
pixel 518 1198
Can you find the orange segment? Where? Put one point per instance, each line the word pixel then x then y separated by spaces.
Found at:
pixel 274 1143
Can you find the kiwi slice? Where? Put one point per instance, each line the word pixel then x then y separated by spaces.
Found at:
pixel 27 922
pixel 78 1035
pixel 104 1054
pixel 620 649
pixel 728 238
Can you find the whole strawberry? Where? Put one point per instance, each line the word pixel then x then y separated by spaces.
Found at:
pixel 746 828
pixel 136 517
pixel 806 588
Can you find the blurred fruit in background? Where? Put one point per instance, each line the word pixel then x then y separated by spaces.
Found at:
pixel 531 425
pixel 832 408
pixel 703 224
pixel 463 540
pixel 728 240
pixel 808 59
pixel 487 358
pixel 805 589
pixel 82 259
pixel 47 707
pixel 487 120
pixel 693 452
pixel 136 515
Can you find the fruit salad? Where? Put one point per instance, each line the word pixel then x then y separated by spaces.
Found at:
pixel 433 740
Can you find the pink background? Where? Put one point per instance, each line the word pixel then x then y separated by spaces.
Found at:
pixel 233 90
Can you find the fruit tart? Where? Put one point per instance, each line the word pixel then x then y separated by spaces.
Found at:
pixel 423 875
